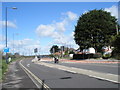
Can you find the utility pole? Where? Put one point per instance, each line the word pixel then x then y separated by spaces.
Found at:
pixel 6 22
pixel 6 36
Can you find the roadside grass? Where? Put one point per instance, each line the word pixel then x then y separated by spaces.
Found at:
pixel 0 70
pixel 4 67
pixel 0 74
pixel 65 58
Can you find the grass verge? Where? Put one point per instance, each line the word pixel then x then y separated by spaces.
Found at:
pixel 4 67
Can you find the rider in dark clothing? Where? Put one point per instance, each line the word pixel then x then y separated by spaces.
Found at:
pixel 38 58
pixel 56 60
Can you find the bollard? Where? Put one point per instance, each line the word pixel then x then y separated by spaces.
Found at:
pixel 42 88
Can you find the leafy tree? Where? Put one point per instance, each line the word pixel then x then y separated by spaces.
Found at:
pixel 54 49
pixel 72 52
pixel 94 29
pixel 116 45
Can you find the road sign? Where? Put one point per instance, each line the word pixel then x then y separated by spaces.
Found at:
pixel 35 50
pixel 6 49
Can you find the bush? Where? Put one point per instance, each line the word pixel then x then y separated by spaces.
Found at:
pixel 97 55
pixel 106 56
pixel 115 55
pixel 82 56
pixel 71 52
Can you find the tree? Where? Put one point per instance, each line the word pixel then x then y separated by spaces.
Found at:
pixel 116 45
pixel 94 29
pixel 54 49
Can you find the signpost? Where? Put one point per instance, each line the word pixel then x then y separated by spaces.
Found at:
pixel 35 50
pixel 6 50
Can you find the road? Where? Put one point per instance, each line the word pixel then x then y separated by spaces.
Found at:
pixel 56 78
pixel 99 67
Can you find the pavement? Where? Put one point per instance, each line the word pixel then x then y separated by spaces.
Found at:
pixel 16 78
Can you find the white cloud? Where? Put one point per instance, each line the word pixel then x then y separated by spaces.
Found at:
pixel 2 38
pixel 72 16
pixel 45 30
pixel 25 46
pixel 1 47
pixel 56 31
pixel 9 24
pixel 66 40
pixel 20 43
pixel 61 26
pixel 113 10
pixel 53 29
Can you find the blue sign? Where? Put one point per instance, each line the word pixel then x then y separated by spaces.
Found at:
pixel 6 49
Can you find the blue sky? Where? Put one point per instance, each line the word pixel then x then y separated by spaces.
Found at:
pixel 42 24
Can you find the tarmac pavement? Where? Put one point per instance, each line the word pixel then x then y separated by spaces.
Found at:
pixel 16 78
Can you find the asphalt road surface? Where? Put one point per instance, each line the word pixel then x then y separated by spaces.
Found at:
pixel 33 75
pixel 99 67
pixel 56 78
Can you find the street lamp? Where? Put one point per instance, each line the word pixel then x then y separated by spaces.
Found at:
pixel 6 30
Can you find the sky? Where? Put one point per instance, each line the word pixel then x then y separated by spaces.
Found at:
pixel 43 24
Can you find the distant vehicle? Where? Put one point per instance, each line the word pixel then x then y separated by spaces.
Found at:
pixel 106 49
pixel 90 50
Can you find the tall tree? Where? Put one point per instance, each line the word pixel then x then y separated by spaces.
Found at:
pixel 54 49
pixel 116 44
pixel 94 29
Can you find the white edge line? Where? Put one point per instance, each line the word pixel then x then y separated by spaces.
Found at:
pixel 29 75
pixel 35 77
pixel 103 79
pixel 32 79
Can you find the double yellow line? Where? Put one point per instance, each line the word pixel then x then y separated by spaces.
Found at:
pixel 35 77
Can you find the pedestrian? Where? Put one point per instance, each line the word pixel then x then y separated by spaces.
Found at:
pixel 55 60
pixel 9 59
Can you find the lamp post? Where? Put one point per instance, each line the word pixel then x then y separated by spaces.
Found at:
pixel 6 30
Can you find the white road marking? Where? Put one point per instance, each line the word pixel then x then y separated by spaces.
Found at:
pixel 28 65
pixel 104 79
pixel 35 77
pixel 99 75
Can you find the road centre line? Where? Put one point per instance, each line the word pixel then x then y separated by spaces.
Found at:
pixel 35 77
